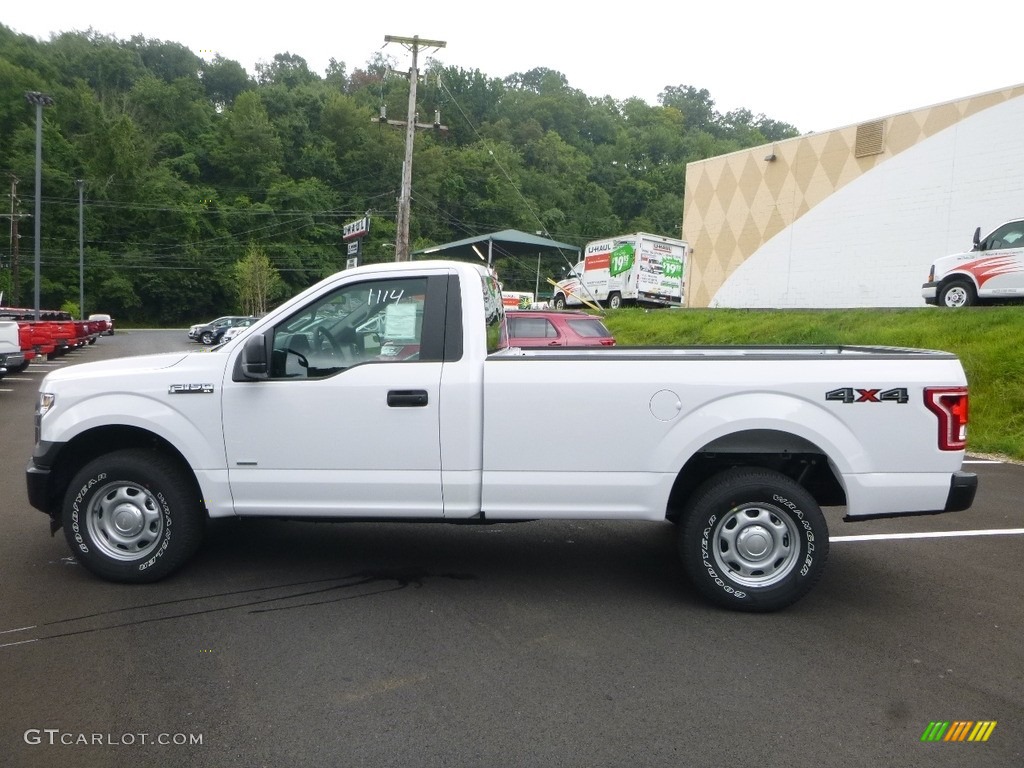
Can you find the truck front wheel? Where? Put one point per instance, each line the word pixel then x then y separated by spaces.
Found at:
pixel 559 301
pixel 132 516
pixel 753 540
pixel 957 293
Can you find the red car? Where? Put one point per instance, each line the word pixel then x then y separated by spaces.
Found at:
pixel 529 328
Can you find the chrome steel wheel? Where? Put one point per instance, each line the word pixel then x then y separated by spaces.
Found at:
pixel 756 545
pixel 958 293
pixel 124 521
pixel 956 296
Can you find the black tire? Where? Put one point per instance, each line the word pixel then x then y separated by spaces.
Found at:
pixel 132 516
pixel 614 300
pixel 23 367
pixel 958 293
pixel 559 302
pixel 207 337
pixel 753 540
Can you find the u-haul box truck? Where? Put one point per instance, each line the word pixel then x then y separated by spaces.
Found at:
pixel 517 300
pixel 630 269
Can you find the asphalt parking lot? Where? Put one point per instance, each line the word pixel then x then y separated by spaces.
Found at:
pixel 538 644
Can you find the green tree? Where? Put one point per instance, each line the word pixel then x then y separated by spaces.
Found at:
pixel 286 69
pixel 257 281
pixel 248 153
pixel 224 80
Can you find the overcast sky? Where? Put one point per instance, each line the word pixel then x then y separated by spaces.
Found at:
pixel 815 64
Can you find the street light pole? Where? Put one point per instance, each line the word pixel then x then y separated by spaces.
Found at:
pixel 40 100
pixel 81 250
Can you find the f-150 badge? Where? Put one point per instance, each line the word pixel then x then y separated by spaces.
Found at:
pixel 189 389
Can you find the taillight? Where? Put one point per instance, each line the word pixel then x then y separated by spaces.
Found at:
pixel 950 405
pixel 607 342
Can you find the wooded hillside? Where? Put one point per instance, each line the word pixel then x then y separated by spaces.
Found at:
pixel 188 164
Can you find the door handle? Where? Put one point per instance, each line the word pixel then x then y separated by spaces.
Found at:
pixel 407 398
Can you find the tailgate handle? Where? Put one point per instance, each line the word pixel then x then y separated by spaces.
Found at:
pixel 407 398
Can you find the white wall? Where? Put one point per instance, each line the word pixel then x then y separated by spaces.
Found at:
pixel 871 243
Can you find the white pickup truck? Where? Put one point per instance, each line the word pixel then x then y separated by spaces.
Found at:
pixel 12 359
pixel 383 393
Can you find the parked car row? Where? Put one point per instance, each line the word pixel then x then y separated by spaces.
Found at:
pixel 213 332
pixel 23 338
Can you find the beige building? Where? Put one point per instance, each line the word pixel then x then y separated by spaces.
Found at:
pixel 853 216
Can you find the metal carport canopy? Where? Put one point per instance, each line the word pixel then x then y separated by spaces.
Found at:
pixel 508 242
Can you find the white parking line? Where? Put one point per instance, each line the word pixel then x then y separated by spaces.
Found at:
pixel 20 642
pixel 930 535
pixel 17 629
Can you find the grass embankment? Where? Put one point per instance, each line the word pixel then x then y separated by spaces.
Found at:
pixel 988 341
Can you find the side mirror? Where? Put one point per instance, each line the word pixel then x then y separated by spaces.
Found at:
pixel 977 239
pixel 254 362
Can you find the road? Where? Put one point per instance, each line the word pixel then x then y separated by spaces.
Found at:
pixel 536 644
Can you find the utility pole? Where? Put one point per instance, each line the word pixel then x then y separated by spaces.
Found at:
pixel 14 216
pixel 414 44
pixel 40 100
pixel 81 250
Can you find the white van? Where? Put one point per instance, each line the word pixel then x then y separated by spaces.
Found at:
pixel 993 269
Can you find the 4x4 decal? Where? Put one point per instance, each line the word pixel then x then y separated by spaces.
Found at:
pixel 855 395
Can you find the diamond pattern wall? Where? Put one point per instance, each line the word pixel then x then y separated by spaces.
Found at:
pixel 735 203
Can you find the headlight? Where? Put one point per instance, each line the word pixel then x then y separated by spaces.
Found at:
pixel 45 403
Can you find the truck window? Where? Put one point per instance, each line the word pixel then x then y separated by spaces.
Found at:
pixel 370 322
pixel 1007 236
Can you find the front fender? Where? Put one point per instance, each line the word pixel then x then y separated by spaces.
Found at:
pixel 193 428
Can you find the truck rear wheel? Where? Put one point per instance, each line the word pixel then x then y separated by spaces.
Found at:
pixel 132 516
pixel 958 293
pixel 753 540
pixel 614 300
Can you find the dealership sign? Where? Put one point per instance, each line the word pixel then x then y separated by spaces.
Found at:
pixel 356 229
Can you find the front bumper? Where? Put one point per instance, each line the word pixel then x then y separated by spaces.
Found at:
pixel 39 481
pixel 930 293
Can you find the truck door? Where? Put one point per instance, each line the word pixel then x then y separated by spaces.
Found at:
pixel 347 424
pixel 1000 269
